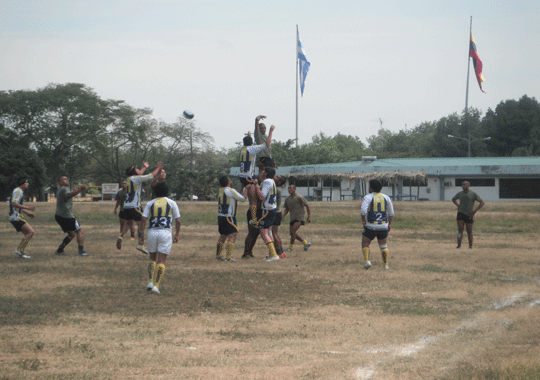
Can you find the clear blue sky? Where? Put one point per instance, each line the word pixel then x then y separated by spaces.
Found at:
pixel 404 62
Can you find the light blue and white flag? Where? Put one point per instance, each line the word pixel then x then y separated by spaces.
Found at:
pixel 303 63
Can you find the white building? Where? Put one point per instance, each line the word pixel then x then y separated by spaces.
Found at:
pixel 434 179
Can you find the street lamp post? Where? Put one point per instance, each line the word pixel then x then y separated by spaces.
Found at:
pixel 469 141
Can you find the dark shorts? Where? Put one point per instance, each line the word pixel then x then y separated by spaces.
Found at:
pixel 267 162
pixel 246 180
pixel 277 219
pixel 267 219
pixel 122 214
pixel 227 225
pixel 67 224
pixel 18 224
pixel 258 214
pixel 466 218
pixel 372 234
pixel 133 214
pixel 302 223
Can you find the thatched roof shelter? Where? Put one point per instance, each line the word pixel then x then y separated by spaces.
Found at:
pixel 389 177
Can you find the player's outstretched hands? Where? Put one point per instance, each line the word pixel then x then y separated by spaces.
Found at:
pixel 260 117
pixel 272 127
pixel 82 187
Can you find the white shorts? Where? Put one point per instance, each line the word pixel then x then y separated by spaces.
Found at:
pixel 159 241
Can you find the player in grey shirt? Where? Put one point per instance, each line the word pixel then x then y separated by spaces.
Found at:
pixel 65 218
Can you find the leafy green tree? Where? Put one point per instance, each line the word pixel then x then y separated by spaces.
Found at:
pixel 17 160
pixel 514 127
pixel 59 121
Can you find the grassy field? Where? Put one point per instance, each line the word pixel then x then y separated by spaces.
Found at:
pixel 438 313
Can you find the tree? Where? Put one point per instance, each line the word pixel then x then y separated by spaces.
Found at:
pixel 20 161
pixel 514 127
pixel 59 121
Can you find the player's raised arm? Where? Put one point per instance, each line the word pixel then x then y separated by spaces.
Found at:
pixel 269 139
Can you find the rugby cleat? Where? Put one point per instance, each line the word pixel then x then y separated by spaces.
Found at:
pixel 143 249
pixel 367 265
pixel 22 255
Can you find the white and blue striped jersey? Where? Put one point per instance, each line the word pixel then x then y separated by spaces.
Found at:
pixel 133 190
pixel 269 191
pixel 17 197
pixel 377 207
pixel 160 213
pixel 227 198
pixel 247 159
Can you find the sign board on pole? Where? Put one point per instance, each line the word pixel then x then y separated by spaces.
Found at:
pixel 109 188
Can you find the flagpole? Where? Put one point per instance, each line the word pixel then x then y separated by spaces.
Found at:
pixel 467 96
pixel 468 70
pixel 297 68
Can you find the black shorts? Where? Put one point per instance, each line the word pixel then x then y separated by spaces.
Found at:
pixel 18 224
pixel 466 218
pixel 372 234
pixel 245 180
pixel 267 162
pixel 133 214
pixel 258 214
pixel 227 225
pixel 277 219
pixel 267 219
pixel 302 223
pixel 67 224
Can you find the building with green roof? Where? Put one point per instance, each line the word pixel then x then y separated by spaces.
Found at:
pixel 434 179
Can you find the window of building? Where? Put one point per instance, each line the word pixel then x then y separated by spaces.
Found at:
pixel 476 182
pixel 328 183
pixel 302 182
pixel 519 188
pixel 414 183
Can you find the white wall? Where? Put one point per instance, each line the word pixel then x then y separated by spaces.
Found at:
pixel 430 192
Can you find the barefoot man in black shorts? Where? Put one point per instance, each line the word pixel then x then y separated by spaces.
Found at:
pixel 295 204
pixel 466 211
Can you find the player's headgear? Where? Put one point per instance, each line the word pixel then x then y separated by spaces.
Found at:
pixel 161 189
pixel 21 181
pixel 270 172
pixel 224 181
pixel 248 141
pixel 131 170
pixel 375 185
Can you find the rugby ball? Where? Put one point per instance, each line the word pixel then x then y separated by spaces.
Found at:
pixel 188 114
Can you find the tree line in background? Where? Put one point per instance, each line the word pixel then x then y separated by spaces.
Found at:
pixel 67 129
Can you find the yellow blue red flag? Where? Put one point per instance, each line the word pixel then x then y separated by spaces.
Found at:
pixel 477 63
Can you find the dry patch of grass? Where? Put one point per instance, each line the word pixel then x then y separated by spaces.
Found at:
pixel 438 313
